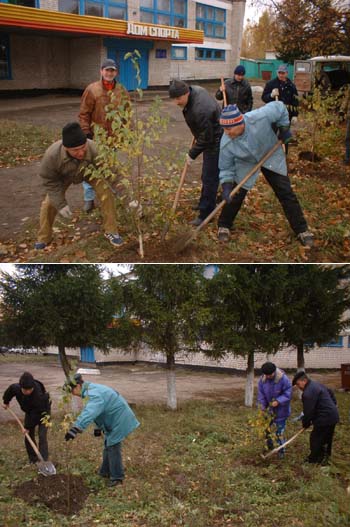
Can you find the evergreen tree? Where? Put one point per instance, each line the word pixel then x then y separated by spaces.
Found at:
pixel 57 305
pixel 169 302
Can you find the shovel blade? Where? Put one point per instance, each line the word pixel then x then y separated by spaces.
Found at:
pixel 46 468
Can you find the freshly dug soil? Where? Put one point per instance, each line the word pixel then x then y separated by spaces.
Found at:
pixel 61 493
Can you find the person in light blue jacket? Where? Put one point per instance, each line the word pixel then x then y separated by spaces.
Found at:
pixel 246 140
pixel 112 415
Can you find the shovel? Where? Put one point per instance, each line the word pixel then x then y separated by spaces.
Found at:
pixel 275 450
pixel 46 468
pixel 223 89
pixel 177 195
pixel 189 237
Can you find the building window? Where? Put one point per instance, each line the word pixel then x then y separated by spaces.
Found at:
pixel 5 70
pixel 334 343
pixel 178 53
pixel 164 12
pixel 211 20
pixel 25 3
pixel 209 54
pixel 103 8
pixel 160 53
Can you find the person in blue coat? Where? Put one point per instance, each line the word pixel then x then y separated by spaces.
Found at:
pixel 320 410
pixel 112 415
pixel 274 396
pixel 246 140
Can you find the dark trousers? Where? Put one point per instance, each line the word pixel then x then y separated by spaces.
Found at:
pixel 321 439
pixel 112 463
pixel 43 446
pixel 284 193
pixel 210 183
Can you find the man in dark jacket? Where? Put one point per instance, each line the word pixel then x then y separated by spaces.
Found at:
pixel 35 403
pixel 284 89
pixel 320 410
pixel 201 114
pixel 238 91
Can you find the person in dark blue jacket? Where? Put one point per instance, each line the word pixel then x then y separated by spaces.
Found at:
pixel 274 396
pixel 35 402
pixel 320 410
pixel 282 89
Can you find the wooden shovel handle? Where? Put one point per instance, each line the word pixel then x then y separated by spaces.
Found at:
pixel 223 89
pixel 35 448
pixel 275 450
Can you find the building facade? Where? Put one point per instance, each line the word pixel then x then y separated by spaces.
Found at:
pixel 59 44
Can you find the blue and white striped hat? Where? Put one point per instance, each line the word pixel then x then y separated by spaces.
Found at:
pixel 231 116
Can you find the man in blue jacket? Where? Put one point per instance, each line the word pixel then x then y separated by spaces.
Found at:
pixel 320 410
pixel 274 396
pixel 246 140
pixel 111 413
pixel 284 90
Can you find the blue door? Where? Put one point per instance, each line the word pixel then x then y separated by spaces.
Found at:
pixel 87 354
pixel 116 50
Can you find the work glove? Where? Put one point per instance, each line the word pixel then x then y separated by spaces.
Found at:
pixel 97 432
pixel 294 120
pixel 66 212
pixel 72 433
pixel 189 160
pixel 284 134
pixel 226 191
pixel 275 93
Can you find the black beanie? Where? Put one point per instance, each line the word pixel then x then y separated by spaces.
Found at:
pixel 268 368
pixel 26 380
pixel 178 88
pixel 73 135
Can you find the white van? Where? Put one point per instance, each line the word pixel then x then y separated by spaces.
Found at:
pixel 331 72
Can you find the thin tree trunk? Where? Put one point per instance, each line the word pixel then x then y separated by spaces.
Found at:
pixel 171 382
pixel 249 387
pixel 301 359
pixel 64 360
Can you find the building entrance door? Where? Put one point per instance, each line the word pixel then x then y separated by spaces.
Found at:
pixel 117 49
pixel 87 354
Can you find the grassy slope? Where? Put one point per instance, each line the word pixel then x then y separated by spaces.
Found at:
pixel 191 468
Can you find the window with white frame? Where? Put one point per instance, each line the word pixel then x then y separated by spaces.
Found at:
pixel 165 12
pixel 211 20
pixel 209 54
pixel 178 52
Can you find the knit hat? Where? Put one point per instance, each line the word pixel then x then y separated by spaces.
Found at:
pixel 178 88
pixel 231 116
pixel 73 135
pixel 239 70
pixel 282 68
pixel 268 368
pixel 110 64
pixel 26 380
pixel 298 376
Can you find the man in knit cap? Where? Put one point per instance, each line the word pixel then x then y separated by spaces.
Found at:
pixel 274 396
pixel 238 91
pixel 110 412
pixel 201 113
pixel 246 140
pixel 35 403
pixel 64 163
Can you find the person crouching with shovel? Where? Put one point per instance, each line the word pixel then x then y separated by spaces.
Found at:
pixel 247 139
pixel 112 415
pixel 35 402
pixel 274 396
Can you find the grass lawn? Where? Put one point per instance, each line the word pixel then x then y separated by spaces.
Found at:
pixel 192 468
